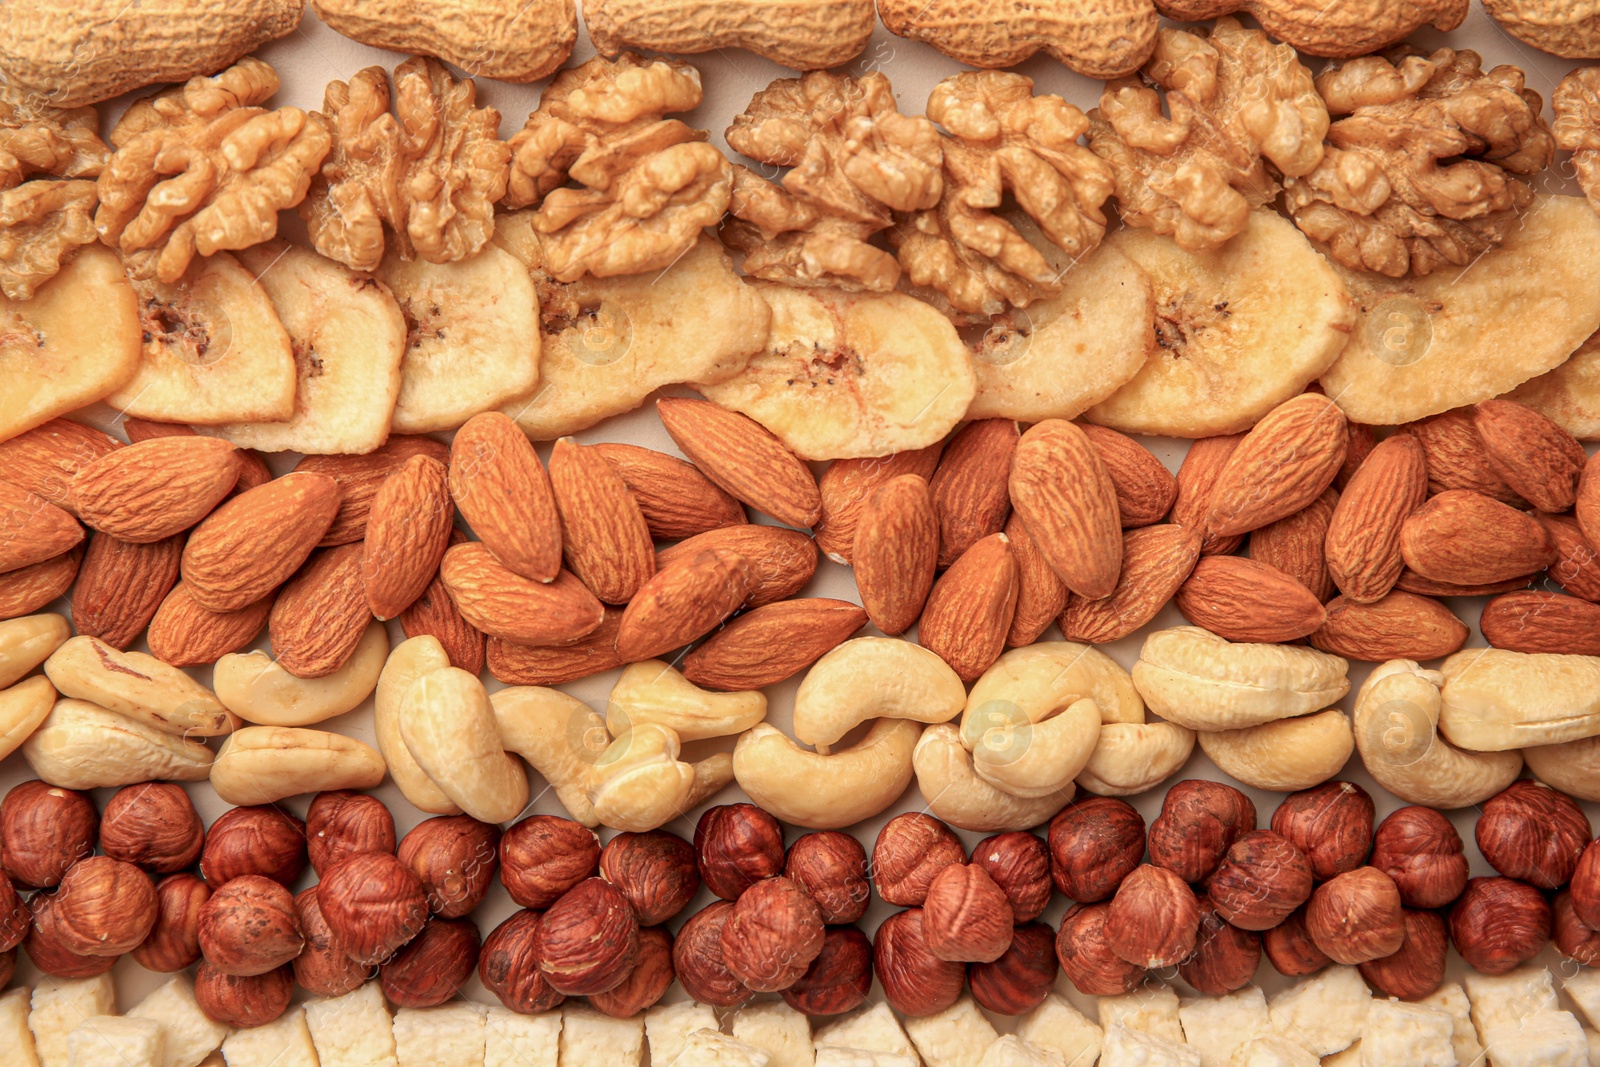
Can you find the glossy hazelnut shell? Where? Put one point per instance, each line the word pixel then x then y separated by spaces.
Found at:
pixel 915 982
pixel 341 823
pixel 772 935
pixel 966 917
pixel 372 904
pixel 322 969
pixel 1533 833
pixel 433 966
pixel 152 825
pixel 1261 880
pixel 839 979
pixel 1357 916
pixel 46 829
pixel 1499 923
pixel 832 868
pixel 105 907
pixel 646 984
pixel 250 926
pixel 1574 938
pixel 543 856
pixel 1095 842
pixel 1086 957
pixel 509 969
pixel 1022 977
pixel 1421 851
pixel 1417 969
pixel 697 958
pixel 456 857
pixel 735 846
pixel 656 871
pixel 44 948
pixel 243 1001
pixel 174 942
pixel 1154 918
pixel 1199 821
pixel 1331 824
pixel 588 940
pixel 1225 957
pixel 1290 948
pixel 910 850
pixel 254 840
pixel 1019 863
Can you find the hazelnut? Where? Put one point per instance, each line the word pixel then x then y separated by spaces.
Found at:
pixel 372 904
pixel 1290 948
pixel 655 871
pixel 45 949
pixel 910 850
pixel 646 983
pixel 1575 939
pixel 174 941
pixel 104 907
pixel 322 968
pixel 154 826
pixel 1095 843
pixel 456 857
pixel 737 845
pixel 1154 918
pixel 433 967
pixel 915 981
pixel 1022 977
pixel 1357 916
pixel 1530 832
pixel 839 979
pixel 1331 824
pixel 243 1001
pixel 1260 881
pixel 257 840
pixel 1086 957
pixel 1199 822
pixel 14 916
pixel 250 926
pixel 543 856
pixel 1225 957
pixel 1586 886
pixel 697 958
pixel 772 935
pixel 46 830
pixel 966 918
pixel 1019 863
pixel 1417 969
pixel 587 942
pixel 1498 924
pixel 341 823
pixel 832 867
pixel 1422 852
pixel 509 969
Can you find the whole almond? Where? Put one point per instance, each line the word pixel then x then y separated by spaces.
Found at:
pixel 1041 594
pixel 256 541
pixel 435 614
pixel 1295 544
pixel 121 585
pixel 360 476
pixel 764 646
pixel 408 530
pixel 687 598
pixel 1363 540
pixel 185 634
pixel 970 610
pixel 846 484
pixel 784 560
pixel 676 499
pixel 502 603
pixel 1465 538
pixel 253 472
pixel 1399 626
pixel 1535 457
pixel 504 493
pixel 1145 488
pixel 970 485
pixel 1537 621
pixel 744 458
pixel 155 489
pixel 320 615
pixel 1587 508
pixel 141 430
pixel 1360 441
pixel 1243 600
pixel 44 459
pixel 1577 564
pixel 1412 582
pixel 28 589
pixel 1282 465
pixel 603 533
pixel 1156 560
pixel 896 552
pixel 32 529
pixel 558 664
pixel 1064 495
pixel 1197 480
pixel 1457 457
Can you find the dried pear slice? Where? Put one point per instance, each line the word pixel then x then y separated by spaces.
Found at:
pixel 1569 396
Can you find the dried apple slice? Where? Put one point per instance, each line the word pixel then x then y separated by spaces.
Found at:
pixel 1569 396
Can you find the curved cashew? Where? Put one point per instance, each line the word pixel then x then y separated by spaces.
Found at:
pixel 1043 679
pixel 450 730
pixel 409 661
pixel 1572 767
pixel 255 688
pixel 22 708
pixel 954 792
pixel 1028 759
pixel 655 692
pixel 873 678
pixel 559 735
pixel 1132 757
pixel 1495 700
pixel 826 792
pixel 1285 755
pixel 28 641
pixel 264 764
pixel 1194 678
pixel 83 746
pixel 138 686
pixel 639 784
pixel 1396 731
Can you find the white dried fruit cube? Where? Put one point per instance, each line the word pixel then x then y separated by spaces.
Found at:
pixel 1012 1051
pixel 589 1039
pixel 1506 999
pixel 14 1033
pixel 1451 998
pixel 1216 1027
pixel 1584 989
pixel 1396 1032
pixel 513 1040
pixel 837 1056
pixel 110 1039
pixel 190 1035
pixel 955 1037
pixel 712 1048
pixel 1542 1039
pixel 1147 1010
pixel 57 1007
pixel 668 1027
pixel 450 1035
pixel 873 1029
pixel 1124 1047
pixel 284 1042
pixel 776 1029
pixel 1273 1051
pixel 354 1030
pixel 1324 1013
pixel 1057 1025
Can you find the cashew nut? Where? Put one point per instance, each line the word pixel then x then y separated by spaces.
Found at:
pixel 1132 757
pixel 83 746
pixel 264 764
pixel 873 678
pixel 655 692
pixel 254 687
pixel 138 686
pixel 1572 767
pixel 1495 700
pixel 559 735
pixel 27 642
pixel 1397 733
pixel 1041 680
pixel 22 708
pixel 1194 678
pixel 832 791
pixel 450 730
pixel 639 784
pixel 1028 759
pixel 409 661
pixel 954 792
pixel 1285 755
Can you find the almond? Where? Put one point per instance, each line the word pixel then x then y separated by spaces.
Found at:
pixel 846 484
pixel 970 610
pixel 1295 545
pixel 896 552
pixel 408 530
pixel 504 493
pixel 140 430
pixel 253 471
pixel 687 598
pixel 1577 564
pixel 603 532
pixel 969 485
pixel 1282 465
pixel 32 529
pixel 1398 626
pixel 744 458
pixel 1412 582
pixel 1197 480
pixel 502 603
pixel 1145 488
pixel 1457 457
pixel 1360 440
pixel 185 634
pixel 1156 560
pixel 1065 497
pixel 1587 508
pixel 676 499
pixel 1243 600
pixel 28 589
pixel 764 646
pixel 1041 595
pixel 435 614
pixel 1363 542
pixel 320 616
pixel 121 585
pixel 155 489
pixel 784 560
pixel 1465 538
pixel 359 478
pixel 256 541
pixel 1535 457
pixel 594 654
pixel 1542 622
pixel 44 459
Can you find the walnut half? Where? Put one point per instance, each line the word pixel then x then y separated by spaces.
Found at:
pixel 49 157
pixel 1577 127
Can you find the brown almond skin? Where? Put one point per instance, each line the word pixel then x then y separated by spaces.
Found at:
pixel 1534 456
pixel 253 543
pixel 970 610
pixel 1457 457
pixel 1065 496
pixel 1041 594
pixel 503 604
pixel 1412 582
pixel 1197 481
pixel 360 476
pixel 319 617
pixel 1577 564
pixel 1537 621
pixel 435 614
pixel 1468 539
pixel 896 552
pixel 1587 508
pixel 603 533
pixel 1363 539
pixel 504 493
pixel 686 599
pixel 1295 545
pixel 185 634
pixel 768 644
pixel 677 501
pixel 34 529
pixel 28 589
pixel 1243 600
pixel 516 664
pixel 969 485
pixel 44 459
pixel 784 560
pixel 1400 626
pixel 1361 442
pixel 156 489
pixel 1156 561
pixel 408 531
pixel 121 586
pixel 1145 488
pixel 847 483
pixel 1282 465
pixel 743 457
